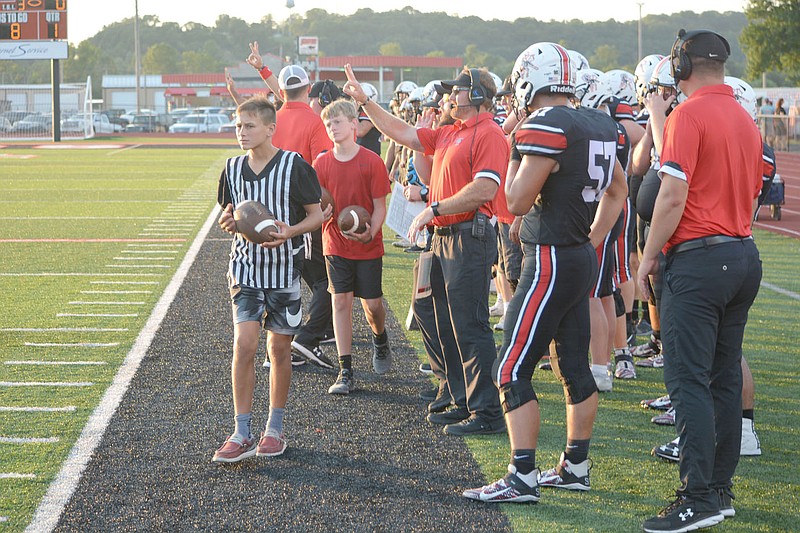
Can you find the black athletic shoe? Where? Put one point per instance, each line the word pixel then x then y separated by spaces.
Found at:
pixel 681 515
pixel 312 353
pixel 475 425
pixel 726 503
pixel 425 368
pixel 449 416
pixel 381 358
pixel 428 394
pixel 442 401
pixel 296 361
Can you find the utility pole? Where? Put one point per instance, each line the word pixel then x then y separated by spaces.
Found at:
pixel 136 52
pixel 640 4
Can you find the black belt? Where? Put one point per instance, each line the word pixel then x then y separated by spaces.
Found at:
pixel 452 230
pixel 705 242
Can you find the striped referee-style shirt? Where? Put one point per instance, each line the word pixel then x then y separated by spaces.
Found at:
pixel 280 187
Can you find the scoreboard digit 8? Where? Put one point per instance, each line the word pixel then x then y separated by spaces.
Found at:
pixel 33 20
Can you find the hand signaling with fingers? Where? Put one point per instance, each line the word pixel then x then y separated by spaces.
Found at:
pixel 352 88
pixel 254 59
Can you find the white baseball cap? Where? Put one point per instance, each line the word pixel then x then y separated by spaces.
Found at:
pixel 292 77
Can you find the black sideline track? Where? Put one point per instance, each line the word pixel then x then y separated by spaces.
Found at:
pixel 364 462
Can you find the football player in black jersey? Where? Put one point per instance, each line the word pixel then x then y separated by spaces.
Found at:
pixel 568 163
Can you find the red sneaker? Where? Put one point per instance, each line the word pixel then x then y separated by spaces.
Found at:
pixel 234 450
pixel 270 445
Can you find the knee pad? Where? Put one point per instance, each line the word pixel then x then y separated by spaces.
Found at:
pixel 576 378
pixel 516 394
pixel 619 303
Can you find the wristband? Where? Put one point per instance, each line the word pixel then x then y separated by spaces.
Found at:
pixel 265 72
pixel 435 209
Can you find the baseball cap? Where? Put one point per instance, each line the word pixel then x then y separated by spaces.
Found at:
pixel 292 77
pixel 708 45
pixel 462 81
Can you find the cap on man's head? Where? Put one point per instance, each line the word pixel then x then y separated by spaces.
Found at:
pixel 708 45
pixel 463 80
pixel 292 77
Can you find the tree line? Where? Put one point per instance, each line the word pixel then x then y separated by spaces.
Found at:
pixel 170 48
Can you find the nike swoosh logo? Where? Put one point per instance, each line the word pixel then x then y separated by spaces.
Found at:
pixel 293 319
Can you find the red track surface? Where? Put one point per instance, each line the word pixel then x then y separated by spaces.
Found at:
pixel 789 169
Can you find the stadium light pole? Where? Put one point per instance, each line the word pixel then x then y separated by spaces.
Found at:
pixel 136 52
pixel 639 34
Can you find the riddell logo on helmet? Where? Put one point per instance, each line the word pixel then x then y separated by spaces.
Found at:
pixel 561 89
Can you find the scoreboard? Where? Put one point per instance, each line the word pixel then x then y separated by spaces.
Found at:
pixel 33 20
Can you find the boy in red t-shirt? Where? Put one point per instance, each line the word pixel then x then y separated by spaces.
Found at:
pixel 354 176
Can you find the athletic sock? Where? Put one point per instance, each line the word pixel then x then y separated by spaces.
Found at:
pixel 748 414
pixel 380 339
pixel 646 312
pixel 275 420
pixel 346 362
pixel 242 422
pixel 524 460
pixel 635 311
pixel 577 451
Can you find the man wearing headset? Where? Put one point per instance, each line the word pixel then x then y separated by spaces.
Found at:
pixel 470 158
pixel 711 178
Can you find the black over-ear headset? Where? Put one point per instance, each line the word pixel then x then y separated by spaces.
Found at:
pixel 680 61
pixel 477 94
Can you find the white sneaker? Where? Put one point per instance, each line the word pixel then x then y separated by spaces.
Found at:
pixel 498 309
pixel 750 443
pixel 625 370
pixel 602 379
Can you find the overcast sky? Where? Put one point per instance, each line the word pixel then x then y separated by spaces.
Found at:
pixel 86 17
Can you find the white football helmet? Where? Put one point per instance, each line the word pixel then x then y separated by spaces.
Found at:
pixel 596 95
pixel 370 91
pixel 416 94
pixel 662 77
pixel 643 73
pixel 429 94
pixel 578 59
pixel 405 87
pixel 498 83
pixel 744 94
pixel 542 67
pixel 587 79
pixel 621 84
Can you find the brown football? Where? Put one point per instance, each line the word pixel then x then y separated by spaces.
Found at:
pixel 254 221
pixel 353 218
pixel 326 199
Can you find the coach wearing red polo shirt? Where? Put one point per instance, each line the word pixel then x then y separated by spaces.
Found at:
pixel 469 158
pixel 711 177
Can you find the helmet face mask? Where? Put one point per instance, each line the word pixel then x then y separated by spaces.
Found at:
pixel 642 75
pixel 542 68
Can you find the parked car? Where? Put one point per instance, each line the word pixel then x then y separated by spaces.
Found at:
pixel 15 116
pixel 230 127
pixel 115 117
pixel 101 124
pixel 144 123
pixel 5 125
pixel 37 124
pixel 200 123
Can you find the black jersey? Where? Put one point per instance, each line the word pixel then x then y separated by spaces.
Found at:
pixel 285 185
pixel 584 144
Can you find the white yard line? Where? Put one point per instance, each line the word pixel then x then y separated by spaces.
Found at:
pixel 56 363
pixel 116 292
pixel 31 440
pixel 39 330
pixel 46 384
pixel 124 282
pixel 15 475
pixel 67 409
pixel 58 494
pixel 72 344
pixel 139 266
pixel 98 315
pixel 79 302
pixel 779 290
pixel 143 258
